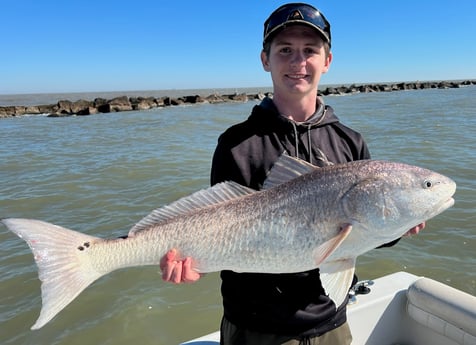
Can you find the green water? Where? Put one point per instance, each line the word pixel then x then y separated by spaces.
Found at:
pixel 101 174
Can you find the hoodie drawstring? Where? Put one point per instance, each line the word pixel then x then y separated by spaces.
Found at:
pixel 296 141
pixel 309 142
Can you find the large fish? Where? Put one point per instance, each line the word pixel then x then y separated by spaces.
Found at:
pixel 305 217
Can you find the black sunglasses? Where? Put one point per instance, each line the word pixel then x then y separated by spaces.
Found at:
pixel 297 13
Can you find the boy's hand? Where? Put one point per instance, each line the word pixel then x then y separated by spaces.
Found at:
pixel 177 270
pixel 415 230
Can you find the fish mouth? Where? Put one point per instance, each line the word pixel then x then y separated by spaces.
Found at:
pixel 439 208
pixel 445 205
pixel 448 203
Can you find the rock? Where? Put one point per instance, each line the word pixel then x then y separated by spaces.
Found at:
pixel 193 99
pixel 176 101
pixel 214 98
pixel 101 105
pixel 64 107
pixel 242 97
pixel 104 108
pixel 81 107
pixel 99 101
pixel 365 89
pixel 329 91
pixel 7 111
pixel 172 101
pixel 387 88
pixel 260 96
pixel 48 108
pixel 120 104
pixel 32 109
pixel 92 110
pixel 141 103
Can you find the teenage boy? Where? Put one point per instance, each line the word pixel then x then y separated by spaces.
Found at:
pixel 282 308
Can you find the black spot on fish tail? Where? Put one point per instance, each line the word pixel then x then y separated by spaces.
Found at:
pixel 84 246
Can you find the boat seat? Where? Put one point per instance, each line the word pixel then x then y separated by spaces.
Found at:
pixel 445 310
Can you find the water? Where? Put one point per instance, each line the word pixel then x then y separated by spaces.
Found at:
pixel 100 174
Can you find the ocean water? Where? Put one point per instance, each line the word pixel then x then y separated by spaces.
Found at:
pixel 101 174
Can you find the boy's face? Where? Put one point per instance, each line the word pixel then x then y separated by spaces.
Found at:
pixel 296 60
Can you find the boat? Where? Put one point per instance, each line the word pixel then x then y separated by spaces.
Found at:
pixel 402 308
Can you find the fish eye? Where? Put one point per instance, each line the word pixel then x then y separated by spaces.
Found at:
pixel 427 184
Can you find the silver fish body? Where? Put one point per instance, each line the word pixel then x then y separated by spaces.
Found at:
pixel 306 217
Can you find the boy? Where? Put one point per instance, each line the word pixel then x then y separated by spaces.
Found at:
pixel 282 308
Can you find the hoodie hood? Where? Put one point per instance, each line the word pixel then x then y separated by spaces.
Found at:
pixel 297 134
pixel 268 113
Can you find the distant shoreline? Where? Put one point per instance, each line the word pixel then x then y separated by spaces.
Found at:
pixel 83 107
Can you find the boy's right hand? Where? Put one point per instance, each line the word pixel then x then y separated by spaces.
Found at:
pixel 177 270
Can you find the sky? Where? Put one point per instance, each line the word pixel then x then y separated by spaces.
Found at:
pixel 85 46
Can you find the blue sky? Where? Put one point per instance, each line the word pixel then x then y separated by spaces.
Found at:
pixel 83 45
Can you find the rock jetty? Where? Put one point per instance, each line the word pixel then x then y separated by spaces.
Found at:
pixel 124 103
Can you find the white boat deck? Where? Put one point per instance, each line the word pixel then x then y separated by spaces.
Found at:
pixel 405 309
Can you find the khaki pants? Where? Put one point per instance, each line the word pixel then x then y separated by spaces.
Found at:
pixel 231 335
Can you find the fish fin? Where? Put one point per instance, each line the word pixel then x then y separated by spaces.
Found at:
pixel 326 249
pixel 336 278
pixel 216 194
pixel 63 273
pixel 286 169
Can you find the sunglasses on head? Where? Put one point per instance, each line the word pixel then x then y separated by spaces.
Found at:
pixel 297 13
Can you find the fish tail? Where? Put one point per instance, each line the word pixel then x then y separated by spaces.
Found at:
pixel 63 267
